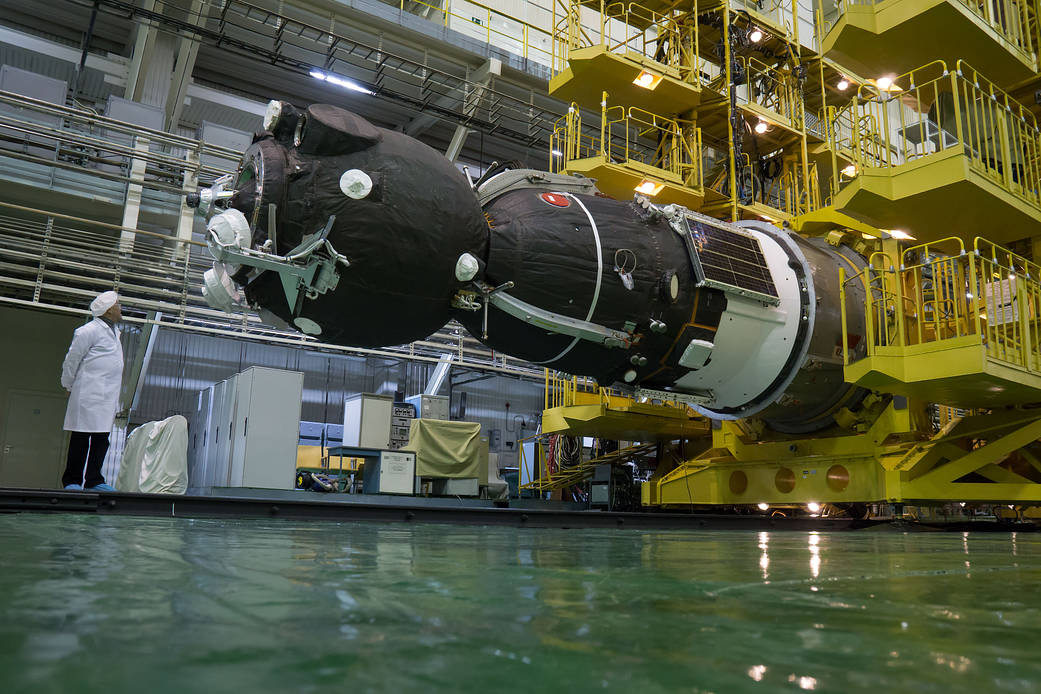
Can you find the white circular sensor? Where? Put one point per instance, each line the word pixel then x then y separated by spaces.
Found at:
pixel 630 376
pixel 272 114
pixel 308 326
pixel 674 287
pixel 355 184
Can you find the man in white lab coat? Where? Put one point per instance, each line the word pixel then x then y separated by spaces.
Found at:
pixel 93 375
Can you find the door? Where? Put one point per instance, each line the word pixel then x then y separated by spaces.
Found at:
pixel 272 430
pixel 243 395
pixel 34 445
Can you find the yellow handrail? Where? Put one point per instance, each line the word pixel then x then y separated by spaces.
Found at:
pixel 938 291
pixel 670 40
pixel 631 135
pixel 533 42
pixel 931 110
pixel 1010 19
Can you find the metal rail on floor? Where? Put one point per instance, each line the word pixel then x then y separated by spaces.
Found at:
pixel 377 510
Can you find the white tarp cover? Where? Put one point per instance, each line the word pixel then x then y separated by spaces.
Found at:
pixel 155 460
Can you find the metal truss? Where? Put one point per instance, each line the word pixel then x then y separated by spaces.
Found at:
pixel 278 39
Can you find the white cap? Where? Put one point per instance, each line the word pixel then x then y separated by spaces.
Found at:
pixel 103 302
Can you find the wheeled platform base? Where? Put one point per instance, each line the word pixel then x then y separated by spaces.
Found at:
pixel 993 458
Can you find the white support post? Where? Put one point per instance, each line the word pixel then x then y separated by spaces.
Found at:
pixel 132 206
pixel 482 78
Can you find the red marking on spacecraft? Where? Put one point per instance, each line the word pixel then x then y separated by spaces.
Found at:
pixel 555 199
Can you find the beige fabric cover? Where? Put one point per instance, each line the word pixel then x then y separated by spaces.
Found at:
pixel 445 449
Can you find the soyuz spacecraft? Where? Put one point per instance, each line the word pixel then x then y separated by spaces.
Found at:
pixel 366 237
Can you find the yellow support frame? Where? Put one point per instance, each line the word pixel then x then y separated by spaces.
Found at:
pixel 983 458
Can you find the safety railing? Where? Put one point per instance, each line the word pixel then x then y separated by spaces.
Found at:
pixel 779 14
pixel 782 184
pixel 776 89
pixel 931 110
pixel 562 390
pixel 630 135
pixel 482 22
pixel 59 262
pixel 69 138
pixel 628 27
pixel 941 291
pixel 1011 20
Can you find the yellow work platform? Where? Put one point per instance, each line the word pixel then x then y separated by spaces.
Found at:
pixel 888 37
pixel 621 180
pixel 956 372
pixel 939 195
pixel 622 419
pixel 593 70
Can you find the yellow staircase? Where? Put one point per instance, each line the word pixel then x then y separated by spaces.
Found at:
pixel 670 173
pixel 885 37
pixel 949 324
pixel 939 153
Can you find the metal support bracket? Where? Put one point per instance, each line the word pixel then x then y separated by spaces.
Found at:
pixel 553 322
pixel 679 398
pixel 311 267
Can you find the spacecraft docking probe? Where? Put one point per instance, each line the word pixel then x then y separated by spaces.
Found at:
pixel 366 237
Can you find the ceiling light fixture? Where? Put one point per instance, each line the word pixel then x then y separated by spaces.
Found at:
pixel 339 81
pixel 647 80
pixel 649 187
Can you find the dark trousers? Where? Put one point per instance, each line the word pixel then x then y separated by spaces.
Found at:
pixel 85 448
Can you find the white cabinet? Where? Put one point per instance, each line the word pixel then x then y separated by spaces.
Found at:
pixel 366 420
pixel 199 439
pixel 265 428
pixel 252 431
pixel 394 472
pixel 430 406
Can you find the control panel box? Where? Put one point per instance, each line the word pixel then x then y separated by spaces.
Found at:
pixel 394 472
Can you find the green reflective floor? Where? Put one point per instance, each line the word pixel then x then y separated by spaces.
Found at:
pixel 143 605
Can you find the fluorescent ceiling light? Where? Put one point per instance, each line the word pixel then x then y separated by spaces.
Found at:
pixel 339 81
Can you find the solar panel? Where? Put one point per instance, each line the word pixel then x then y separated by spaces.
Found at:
pixel 730 261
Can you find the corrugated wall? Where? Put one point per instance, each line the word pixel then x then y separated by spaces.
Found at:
pixel 183 363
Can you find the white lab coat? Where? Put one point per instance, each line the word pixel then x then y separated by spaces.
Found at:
pixel 93 373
